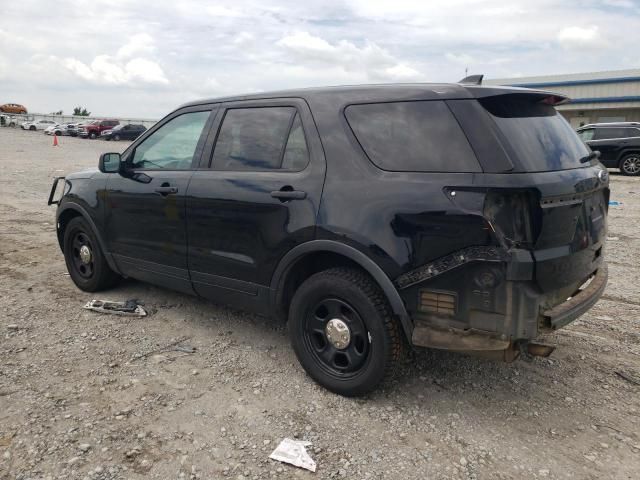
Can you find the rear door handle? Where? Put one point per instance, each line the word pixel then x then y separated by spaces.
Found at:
pixel 285 195
pixel 166 190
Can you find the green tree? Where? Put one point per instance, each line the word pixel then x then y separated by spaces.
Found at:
pixel 81 112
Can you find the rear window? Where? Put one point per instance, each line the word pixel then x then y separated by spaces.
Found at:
pixel 539 138
pixel 419 136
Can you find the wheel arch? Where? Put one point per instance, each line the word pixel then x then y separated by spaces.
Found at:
pixel 331 253
pixel 71 210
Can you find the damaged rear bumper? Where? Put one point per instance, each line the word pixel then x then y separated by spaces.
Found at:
pixel 567 312
pixel 486 300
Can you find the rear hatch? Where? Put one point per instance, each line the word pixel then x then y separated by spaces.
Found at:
pixel 556 196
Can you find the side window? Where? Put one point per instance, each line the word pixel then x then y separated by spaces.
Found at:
pixel 587 134
pixel 258 138
pixel 421 136
pixel 296 153
pixel 631 132
pixel 171 146
pixel 608 133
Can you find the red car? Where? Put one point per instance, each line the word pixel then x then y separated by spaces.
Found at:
pixel 94 129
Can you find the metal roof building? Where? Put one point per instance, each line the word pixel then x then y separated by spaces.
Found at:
pixel 612 96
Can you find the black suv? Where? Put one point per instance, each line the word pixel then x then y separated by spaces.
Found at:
pixel 372 218
pixel 618 143
pixel 129 131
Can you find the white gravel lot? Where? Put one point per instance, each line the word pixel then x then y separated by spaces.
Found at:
pixel 84 395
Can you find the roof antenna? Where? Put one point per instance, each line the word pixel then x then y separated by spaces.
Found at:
pixel 466 71
pixel 472 80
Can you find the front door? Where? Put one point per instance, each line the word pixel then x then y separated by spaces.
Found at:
pixel 145 209
pixel 254 199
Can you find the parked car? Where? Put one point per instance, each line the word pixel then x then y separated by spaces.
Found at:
pixel 94 129
pixel 52 129
pixel 74 132
pixel 8 120
pixel 12 108
pixel 124 132
pixel 457 217
pixel 618 144
pixel 37 125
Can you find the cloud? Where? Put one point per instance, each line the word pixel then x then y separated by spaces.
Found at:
pixel 371 60
pixel 108 70
pixel 577 37
pixel 123 68
pixel 141 43
pixel 199 48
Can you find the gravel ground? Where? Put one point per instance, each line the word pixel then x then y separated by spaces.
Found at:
pixel 84 395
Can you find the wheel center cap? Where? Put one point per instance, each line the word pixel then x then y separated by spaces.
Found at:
pixel 338 333
pixel 85 254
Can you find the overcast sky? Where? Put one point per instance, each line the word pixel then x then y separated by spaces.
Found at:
pixel 144 58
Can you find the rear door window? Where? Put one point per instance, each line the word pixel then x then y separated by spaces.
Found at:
pixel 537 137
pixel 421 136
pixel 610 132
pixel 260 138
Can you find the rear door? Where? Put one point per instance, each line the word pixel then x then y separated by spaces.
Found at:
pixel 145 219
pixel 609 141
pixel 255 197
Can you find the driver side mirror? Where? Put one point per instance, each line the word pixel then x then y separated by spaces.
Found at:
pixel 110 163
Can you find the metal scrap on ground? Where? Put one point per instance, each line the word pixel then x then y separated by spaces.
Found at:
pixel 294 452
pixel 129 308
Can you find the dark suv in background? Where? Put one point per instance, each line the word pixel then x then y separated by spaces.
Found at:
pixel 448 216
pixel 618 143
pixel 129 131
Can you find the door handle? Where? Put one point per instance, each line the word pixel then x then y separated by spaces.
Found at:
pixel 166 190
pixel 285 194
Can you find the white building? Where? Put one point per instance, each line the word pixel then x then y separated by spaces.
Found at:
pixel 612 96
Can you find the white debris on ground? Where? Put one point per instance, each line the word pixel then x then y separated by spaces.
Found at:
pixel 295 453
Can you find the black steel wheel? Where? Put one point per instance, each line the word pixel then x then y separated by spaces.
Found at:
pixel 82 255
pixel 85 261
pixel 337 337
pixel 343 331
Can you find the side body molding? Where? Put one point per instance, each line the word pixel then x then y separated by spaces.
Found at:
pixel 313 246
pixel 83 212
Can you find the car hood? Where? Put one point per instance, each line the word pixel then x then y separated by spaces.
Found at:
pixel 88 173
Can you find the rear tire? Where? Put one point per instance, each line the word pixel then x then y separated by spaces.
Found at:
pixel 630 164
pixel 353 361
pixel 85 260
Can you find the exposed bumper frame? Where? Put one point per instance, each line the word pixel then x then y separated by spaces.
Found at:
pixel 568 311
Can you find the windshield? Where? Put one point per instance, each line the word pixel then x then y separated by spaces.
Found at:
pixel 538 137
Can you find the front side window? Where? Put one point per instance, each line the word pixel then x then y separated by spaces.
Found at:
pixel 173 145
pixel 421 136
pixel 260 138
pixel 587 134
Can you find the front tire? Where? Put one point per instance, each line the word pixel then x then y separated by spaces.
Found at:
pixel 116 138
pixel 92 135
pixel 85 260
pixel 630 164
pixel 343 331
pixel 32 128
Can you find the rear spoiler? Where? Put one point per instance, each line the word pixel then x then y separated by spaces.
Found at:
pixel 475 87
